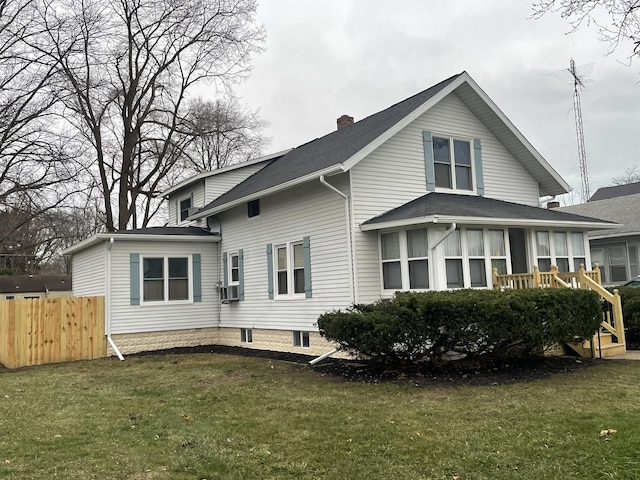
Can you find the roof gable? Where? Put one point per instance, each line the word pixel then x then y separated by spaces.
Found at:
pixel 340 150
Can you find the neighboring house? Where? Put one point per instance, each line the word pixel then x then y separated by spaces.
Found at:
pixel 430 194
pixel 14 287
pixel 615 250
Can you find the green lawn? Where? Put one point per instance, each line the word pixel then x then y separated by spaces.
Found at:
pixel 217 417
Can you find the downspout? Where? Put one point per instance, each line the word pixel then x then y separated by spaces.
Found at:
pixel 349 242
pixel 324 182
pixel 107 305
pixel 449 231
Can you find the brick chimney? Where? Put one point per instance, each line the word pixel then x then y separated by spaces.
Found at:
pixel 344 121
pixel 553 204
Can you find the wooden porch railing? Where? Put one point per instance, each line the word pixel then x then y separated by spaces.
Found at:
pixel 612 322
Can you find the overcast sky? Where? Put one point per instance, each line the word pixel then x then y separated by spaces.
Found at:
pixel 356 57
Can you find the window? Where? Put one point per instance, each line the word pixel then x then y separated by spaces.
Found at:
pixel 301 339
pixel 453 260
pixel 292 268
pixel 9 297
pixel 246 335
pixel 405 260
pixel 577 247
pixel 566 250
pixel 165 278
pixel 597 258
pixel 253 208
pixel 452 163
pixel 475 248
pixel 497 251
pixel 561 251
pixel 391 271
pixel 234 269
pixel 543 250
pixel 183 208
pixel 617 264
pixel 27 297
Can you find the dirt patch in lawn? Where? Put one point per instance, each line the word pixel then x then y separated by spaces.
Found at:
pixel 454 373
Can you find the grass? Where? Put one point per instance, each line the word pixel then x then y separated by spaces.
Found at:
pixel 222 417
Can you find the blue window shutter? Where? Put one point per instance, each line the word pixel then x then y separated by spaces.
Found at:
pixel 225 271
pixel 197 277
pixel 241 274
pixel 307 266
pixel 270 270
pixel 477 155
pixel 134 278
pixel 429 169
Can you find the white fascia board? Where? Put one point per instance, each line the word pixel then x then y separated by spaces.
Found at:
pixel 354 159
pixel 614 235
pixel 334 170
pixel 506 222
pixel 235 166
pixel 556 176
pixel 138 237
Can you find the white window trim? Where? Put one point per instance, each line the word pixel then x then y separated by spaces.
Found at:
pixel 230 281
pixel 474 183
pixel 246 335
pixel 552 248
pixel 290 270
pixel 300 335
pixel 166 280
pixel 179 200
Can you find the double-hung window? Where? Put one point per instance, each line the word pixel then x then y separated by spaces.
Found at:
pixel 452 163
pixel 566 250
pixel 405 260
pixel 291 266
pixel 165 279
pixel 475 249
pixel 184 205
pixel 453 260
pixel 498 251
pixel 543 251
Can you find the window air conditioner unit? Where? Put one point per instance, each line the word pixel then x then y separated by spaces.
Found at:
pixel 229 294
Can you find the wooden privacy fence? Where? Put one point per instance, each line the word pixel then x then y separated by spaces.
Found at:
pixel 49 330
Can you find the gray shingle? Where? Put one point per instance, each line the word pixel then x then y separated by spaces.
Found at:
pixel 620 209
pixel 605 193
pixel 12 284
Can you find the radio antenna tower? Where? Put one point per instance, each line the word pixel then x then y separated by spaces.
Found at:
pixel 578 84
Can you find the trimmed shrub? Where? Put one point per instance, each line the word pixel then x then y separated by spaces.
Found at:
pixel 430 326
pixel 631 310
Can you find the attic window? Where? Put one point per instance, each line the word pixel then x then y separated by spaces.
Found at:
pixel 185 205
pixel 253 208
pixel 452 160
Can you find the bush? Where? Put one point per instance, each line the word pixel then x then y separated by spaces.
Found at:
pixel 429 326
pixel 631 311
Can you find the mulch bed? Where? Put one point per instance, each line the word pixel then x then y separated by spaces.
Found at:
pixel 454 373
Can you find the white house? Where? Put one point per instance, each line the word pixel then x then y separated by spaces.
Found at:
pixel 429 194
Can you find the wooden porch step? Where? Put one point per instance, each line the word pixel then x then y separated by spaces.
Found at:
pixel 611 350
pixel 605 347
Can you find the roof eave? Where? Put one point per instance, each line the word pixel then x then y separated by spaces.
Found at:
pixel 333 170
pixel 138 237
pixel 508 222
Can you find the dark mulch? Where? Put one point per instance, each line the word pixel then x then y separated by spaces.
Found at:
pixel 454 373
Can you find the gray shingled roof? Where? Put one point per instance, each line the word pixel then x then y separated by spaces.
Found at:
pixel 605 193
pixel 34 283
pixel 330 150
pixel 193 231
pixel 620 209
pixel 452 205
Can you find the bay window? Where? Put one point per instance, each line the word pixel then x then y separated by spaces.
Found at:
pixel 405 260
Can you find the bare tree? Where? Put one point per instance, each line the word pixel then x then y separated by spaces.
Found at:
pixel 37 169
pixel 631 175
pixel 128 66
pixel 222 133
pixel 623 18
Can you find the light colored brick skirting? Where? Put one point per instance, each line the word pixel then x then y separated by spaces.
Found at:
pixel 129 343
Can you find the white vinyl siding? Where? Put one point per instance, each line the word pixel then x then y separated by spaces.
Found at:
pixel 286 218
pixel 149 317
pixel 394 174
pixel 89 271
pixel 223 182
pixel 195 192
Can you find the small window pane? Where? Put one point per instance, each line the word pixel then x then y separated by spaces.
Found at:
pixel 452 245
pixel 463 178
pixel 298 280
pixel 390 246
pixel 454 273
pixel 417 243
pixel 179 289
pixel 563 264
pixel 441 153
pixel 185 205
pixel 560 242
pixel 153 290
pixel 178 267
pixel 496 243
pixel 618 273
pixel 305 339
pixel 617 256
pixel 476 243
pixel 501 265
pixel 282 283
pixel 577 261
pixel 478 273
pixel 577 242
pixel 282 258
pixel 542 239
pixel 419 274
pixel 298 256
pixel 544 264
pixel 443 175
pixel 462 152
pixel 391 276
pixel 597 256
pixel 153 268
